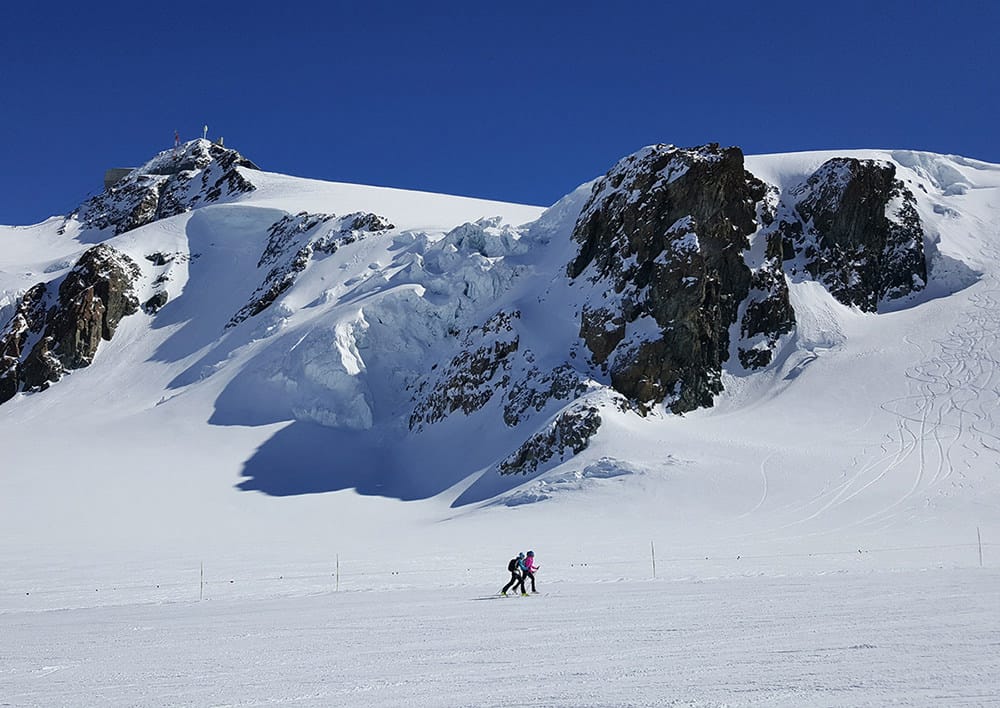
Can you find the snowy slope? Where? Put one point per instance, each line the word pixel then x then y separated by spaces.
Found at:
pixel 337 351
pixel 329 364
pixel 265 435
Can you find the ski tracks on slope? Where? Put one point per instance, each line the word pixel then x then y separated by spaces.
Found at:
pixel 945 425
pixel 947 422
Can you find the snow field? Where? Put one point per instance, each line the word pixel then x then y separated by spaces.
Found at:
pixel 844 639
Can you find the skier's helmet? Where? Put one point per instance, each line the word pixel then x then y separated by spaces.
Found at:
pixel 531 553
pixel 521 554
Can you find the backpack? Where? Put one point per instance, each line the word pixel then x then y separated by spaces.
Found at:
pixel 513 565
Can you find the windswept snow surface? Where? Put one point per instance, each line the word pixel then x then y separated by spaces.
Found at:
pixel 843 639
pixel 816 533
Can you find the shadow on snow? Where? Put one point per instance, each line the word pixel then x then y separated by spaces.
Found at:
pixel 308 458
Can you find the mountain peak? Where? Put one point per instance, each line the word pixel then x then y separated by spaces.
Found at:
pixel 173 181
pixel 193 155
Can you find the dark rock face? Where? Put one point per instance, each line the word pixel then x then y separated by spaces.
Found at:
pixel 535 390
pixel 569 434
pixel 366 221
pixel 160 259
pixel 92 300
pixel 768 313
pixel 471 377
pixel 663 235
pixel 860 235
pixel 173 182
pixel 155 303
pixel 293 241
pixel 492 364
pixel 15 338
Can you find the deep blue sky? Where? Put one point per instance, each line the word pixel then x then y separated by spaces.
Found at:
pixel 511 101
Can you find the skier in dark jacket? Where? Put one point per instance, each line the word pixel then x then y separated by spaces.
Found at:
pixel 514 566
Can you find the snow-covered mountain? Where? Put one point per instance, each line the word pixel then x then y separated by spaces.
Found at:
pixel 699 374
pixel 700 345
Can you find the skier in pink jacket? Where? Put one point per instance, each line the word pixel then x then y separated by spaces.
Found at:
pixel 529 572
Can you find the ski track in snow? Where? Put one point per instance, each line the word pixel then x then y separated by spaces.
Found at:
pixel 955 394
pixel 845 639
pixel 955 391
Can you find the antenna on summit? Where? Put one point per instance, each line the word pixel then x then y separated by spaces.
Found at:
pixel 204 133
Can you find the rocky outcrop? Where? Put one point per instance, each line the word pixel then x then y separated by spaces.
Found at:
pixel 92 299
pixel 768 313
pixel 197 173
pixel 15 338
pixel 536 389
pixel 860 234
pixel 492 364
pixel 662 243
pixel 163 264
pixel 472 376
pixel 155 303
pixel 568 435
pixel 293 241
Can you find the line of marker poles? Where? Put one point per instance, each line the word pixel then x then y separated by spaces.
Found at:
pixel 652 560
pixel 201 579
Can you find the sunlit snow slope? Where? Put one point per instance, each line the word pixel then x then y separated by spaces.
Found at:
pixel 210 430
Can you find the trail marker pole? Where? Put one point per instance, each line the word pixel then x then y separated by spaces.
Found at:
pixel 652 556
pixel 201 585
pixel 979 537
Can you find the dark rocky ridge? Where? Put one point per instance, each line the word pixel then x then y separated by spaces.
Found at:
pixel 491 363
pixel 860 234
pixel 99 290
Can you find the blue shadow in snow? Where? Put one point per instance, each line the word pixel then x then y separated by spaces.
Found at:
pixel 307 458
